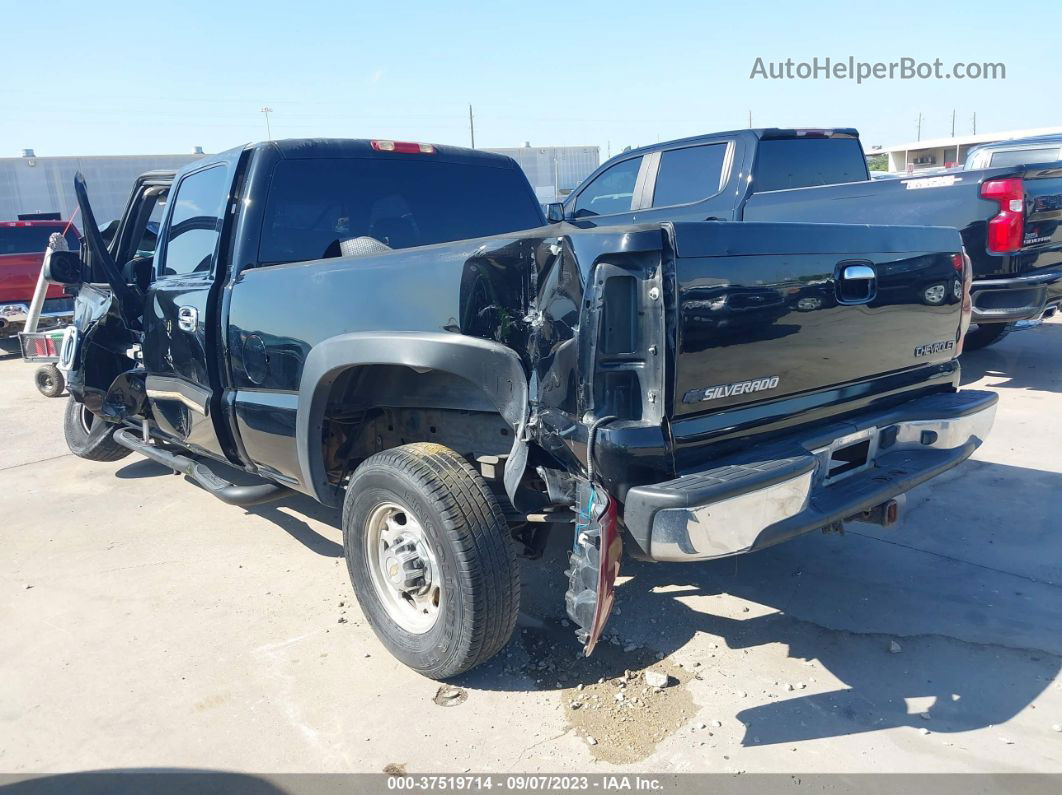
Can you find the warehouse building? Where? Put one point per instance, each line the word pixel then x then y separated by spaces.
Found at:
pixel 554 171
pixel 31 184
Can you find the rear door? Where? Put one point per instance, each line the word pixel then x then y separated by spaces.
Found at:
pixel 769 310
pixel 689 183
pixel 179 340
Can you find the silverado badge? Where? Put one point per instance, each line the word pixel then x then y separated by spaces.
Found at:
pixel 729 390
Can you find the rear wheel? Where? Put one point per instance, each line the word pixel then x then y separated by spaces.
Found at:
pixel 429 555
pixel 984 334
pixel 49 380
pixel 88 436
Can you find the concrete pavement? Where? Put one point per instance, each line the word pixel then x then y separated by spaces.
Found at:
pixel 147 624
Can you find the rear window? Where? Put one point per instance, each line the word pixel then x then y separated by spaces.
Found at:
pixel 805 162
pixel 31 239
pixel 313 205
pixel 1019 157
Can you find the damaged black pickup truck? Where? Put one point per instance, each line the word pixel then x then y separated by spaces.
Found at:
pixel 358 321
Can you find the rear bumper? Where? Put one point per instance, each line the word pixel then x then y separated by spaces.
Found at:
pixel 13 319
pixel 775 492
pixel 1016 298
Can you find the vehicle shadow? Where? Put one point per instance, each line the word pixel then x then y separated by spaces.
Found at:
pixel 1025 359
pixel 976 644
pixel 289 512
pixel 974 604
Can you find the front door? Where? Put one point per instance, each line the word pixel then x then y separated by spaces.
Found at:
pixel 179 340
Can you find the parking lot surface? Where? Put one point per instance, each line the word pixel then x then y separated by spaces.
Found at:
pixel 146 624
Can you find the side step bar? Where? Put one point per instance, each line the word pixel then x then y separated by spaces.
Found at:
pixel 201 473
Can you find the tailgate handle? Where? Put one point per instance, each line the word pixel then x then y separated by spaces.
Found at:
pixel 855 272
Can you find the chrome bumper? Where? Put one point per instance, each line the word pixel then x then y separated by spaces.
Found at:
pixel 11 314
pixel 794 493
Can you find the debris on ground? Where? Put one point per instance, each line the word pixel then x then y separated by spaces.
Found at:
pixel 450 696
pixel 623 703
pixel 656 679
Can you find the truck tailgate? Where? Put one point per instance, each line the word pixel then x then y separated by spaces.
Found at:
pixel 1042 244
pixel 766 311
pixel 18 278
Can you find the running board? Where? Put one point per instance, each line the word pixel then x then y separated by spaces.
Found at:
pixel 201 473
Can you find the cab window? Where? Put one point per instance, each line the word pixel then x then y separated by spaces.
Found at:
pixel 689 174
pixel 195 223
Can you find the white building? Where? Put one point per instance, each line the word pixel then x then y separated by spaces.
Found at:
pixel 31 184
pixel 946 152
pixel 554 171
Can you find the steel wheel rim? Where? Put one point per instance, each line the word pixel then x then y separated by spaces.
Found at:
pixel 85 417
pixel 403 567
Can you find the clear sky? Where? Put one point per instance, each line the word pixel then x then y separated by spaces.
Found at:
pixel 162 77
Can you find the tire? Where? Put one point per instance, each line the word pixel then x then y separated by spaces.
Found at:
pixel 88 436
pixel 984 334
pixel 426 502
pixel 49 380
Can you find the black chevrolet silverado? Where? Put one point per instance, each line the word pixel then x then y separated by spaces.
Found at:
pixel 391 329
pixel 1009 217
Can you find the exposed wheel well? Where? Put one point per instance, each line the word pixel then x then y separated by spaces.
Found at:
pixel 376 407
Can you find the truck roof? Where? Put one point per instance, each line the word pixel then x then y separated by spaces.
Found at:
pixel 761 133
pixel 309 148
pixel 1017 143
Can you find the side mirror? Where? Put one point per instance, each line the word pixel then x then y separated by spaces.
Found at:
pixel 555 212
pixel 64 267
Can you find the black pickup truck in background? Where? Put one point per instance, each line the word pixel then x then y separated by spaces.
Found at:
pixel 363 322
pixel 1009 217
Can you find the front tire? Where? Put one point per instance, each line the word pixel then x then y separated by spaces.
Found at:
pixel 984 334
pixel 88 436
pixel 430 558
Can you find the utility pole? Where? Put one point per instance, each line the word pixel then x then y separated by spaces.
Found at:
pixel 974 122
pixel 471 126
pixel 750 119
pixel 919 137
pixel 267 110
pixel 953 122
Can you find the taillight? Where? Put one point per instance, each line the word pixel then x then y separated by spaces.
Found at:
pixel 962 263
pixel 1007 228
pixel 404 147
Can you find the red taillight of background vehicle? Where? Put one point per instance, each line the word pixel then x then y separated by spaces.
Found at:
pixel 1007 228
pixel 962 263
pixel 403 147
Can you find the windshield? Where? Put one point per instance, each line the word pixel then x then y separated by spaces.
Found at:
pixel 31 239
pixel 313 205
